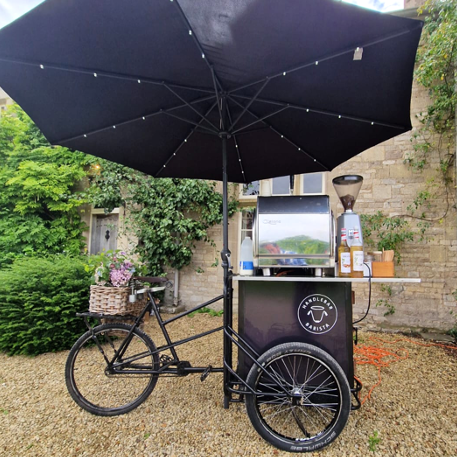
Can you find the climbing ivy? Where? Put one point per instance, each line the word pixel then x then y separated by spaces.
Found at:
pixel 384 233
pixel 164 216
pixel 436 71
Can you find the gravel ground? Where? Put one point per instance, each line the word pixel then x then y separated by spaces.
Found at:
pixel 412 411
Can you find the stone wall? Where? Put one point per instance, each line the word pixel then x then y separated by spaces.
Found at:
pixel 202 280
pixel 390 186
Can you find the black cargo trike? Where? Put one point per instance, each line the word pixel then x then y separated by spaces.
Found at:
pixel 297 396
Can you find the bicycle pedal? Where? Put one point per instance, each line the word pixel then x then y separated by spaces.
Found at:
pixel 165 360
pixel 206 373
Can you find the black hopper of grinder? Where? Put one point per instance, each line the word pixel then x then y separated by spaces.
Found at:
pixel 347 188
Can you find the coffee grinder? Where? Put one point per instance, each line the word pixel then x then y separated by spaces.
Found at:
pixel 347 188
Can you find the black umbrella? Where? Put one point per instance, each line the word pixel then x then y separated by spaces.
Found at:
pixel 296 86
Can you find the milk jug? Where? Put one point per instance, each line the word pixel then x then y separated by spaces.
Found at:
pixel 246 258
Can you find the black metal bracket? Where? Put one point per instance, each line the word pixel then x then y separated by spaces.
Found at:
pixel 356 393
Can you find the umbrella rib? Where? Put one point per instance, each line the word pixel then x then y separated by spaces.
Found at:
pixel 260 119
pixel 251 101
pixel 330 56
pixel 146 116
pixel 216 80
pixel 194 37
pixel 235 139
pixel 323 112
pixel 285 138
pixel 219 104
pixel 191 107
pixel 101 73
pixel 188 121
pixel 183 142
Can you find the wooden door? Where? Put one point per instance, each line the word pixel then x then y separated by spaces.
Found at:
pixel 104 232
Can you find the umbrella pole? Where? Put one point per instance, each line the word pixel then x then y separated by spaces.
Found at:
pixel 226 265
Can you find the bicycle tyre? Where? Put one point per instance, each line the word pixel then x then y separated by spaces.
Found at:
pixel 88 378
pixel 317 403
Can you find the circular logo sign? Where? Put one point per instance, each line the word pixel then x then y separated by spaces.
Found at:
pixel 317 314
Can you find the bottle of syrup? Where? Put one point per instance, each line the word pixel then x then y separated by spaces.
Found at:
pixel 344 257
pixel 356 256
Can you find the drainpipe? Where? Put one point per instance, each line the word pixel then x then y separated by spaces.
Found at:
pixel 176 289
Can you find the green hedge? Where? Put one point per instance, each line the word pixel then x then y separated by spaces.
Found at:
pixel 38 301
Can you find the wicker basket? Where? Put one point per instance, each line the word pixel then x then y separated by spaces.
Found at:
pixel 114 301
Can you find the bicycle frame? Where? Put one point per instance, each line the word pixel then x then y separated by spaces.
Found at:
pixel 174 366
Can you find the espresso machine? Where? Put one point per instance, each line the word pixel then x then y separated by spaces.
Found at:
pixel 347 188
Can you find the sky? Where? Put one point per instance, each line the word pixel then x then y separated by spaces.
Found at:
pixel 12 9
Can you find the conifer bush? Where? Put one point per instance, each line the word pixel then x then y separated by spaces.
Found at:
pixel 38 301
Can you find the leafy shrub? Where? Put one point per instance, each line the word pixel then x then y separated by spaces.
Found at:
pixel 38 301
pixel 39 200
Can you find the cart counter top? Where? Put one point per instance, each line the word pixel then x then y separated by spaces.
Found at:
pixel 323 279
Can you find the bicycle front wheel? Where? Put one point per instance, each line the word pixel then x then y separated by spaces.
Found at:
pixel 109 389
pixel 302 399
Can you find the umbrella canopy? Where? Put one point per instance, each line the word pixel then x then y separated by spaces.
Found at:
pixel 293 86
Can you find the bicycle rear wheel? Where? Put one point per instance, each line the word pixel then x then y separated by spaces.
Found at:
pixel 303 397
pixel 107 389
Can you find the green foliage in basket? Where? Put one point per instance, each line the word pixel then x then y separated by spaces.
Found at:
pixel 38 302
pixel 113 268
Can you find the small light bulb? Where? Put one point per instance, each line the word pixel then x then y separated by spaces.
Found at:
pixel 95 75
pixel 42 67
